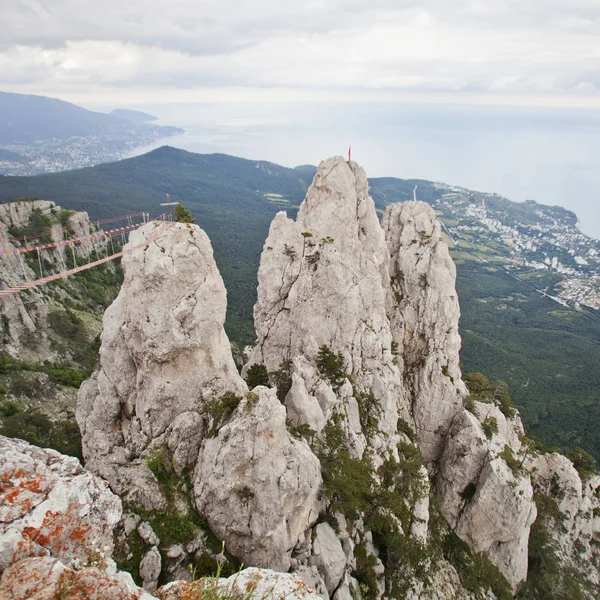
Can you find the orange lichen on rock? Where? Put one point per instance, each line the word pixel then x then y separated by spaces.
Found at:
pixel 20 491
pixel 91 584
pixel 37 578
pixel 79 533
pixel 182 590
pixel 49 505
pixel 48 579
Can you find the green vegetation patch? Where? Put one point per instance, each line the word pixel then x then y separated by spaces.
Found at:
pixel 58 373
pixel 331 366
pixel 490 427
pixel 475 570
pixel 282 379
pixel 257 375
pixel 384 499
pixel 494 392
pixel 221 410
pixel 548 578
pixel 583 462
pixel 178 525
pixel 36 428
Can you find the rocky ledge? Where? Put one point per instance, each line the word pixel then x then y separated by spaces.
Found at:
pixel 56 539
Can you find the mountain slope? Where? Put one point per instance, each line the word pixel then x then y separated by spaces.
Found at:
pixel 135 116
pixel 510 329
pixel 51 135
pixel 28 118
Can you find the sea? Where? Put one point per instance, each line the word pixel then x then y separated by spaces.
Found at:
pixel 550 155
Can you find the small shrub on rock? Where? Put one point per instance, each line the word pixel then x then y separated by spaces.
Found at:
pixel 331 366
pixel 490 427
pixel 583 462
pixel 282 379
pixel 257 375
pixel 220 410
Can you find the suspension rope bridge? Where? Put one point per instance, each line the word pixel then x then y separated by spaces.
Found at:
pixel 67 230
pixel 99 236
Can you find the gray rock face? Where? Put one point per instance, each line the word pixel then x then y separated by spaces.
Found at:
pixel 164 352
pixel 490 506
pixel 150 569
pixel 50 506
pixel 384 298
pixel 27 318
pixel 258 485
pixel 424 313
pixel 20 319
pixel 497 519
pixel 56 528
pixel 165 360
pixel 574 525
pixel 322 281
pixel 328 556
pixel 335 244
pixel 491 509
pixel 252 584
pixel 46 578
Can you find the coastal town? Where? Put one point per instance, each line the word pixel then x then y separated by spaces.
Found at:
pixel 532 241
pixel 50 156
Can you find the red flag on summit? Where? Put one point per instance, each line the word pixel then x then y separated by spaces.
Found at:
pixel 349 152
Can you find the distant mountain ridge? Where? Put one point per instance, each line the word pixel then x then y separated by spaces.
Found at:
pixel 515 326
pixel 50 135
pixel 135 116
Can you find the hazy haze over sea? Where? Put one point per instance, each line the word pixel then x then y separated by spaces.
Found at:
pixel 546 154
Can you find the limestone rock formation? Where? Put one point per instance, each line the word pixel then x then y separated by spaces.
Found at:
pixel 328 556
pixel 164 352
pixel 257 485
pixel 50 506
pixel 26 319
pixel 571 513
pixel 424 313
pixel 335 245
pixel 366 317
pixel 49 579
pixel 56 537
pixel 322 281
pixel 251 584
pixel 56 529
pixel 363 467
pixel 490 507
pixel 168 398
pixel 47 333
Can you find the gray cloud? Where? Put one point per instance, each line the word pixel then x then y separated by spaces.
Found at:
pixel 541 46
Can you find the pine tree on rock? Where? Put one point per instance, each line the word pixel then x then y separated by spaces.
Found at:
pixel 182 214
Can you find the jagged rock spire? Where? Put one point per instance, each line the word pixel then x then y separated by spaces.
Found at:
pixel 322 278
pixel 165 380
pixel 164 352
pixel 322 281
pixel 424 314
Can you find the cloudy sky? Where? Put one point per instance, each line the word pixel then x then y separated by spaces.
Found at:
pixel 540 52
pixel 497 95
